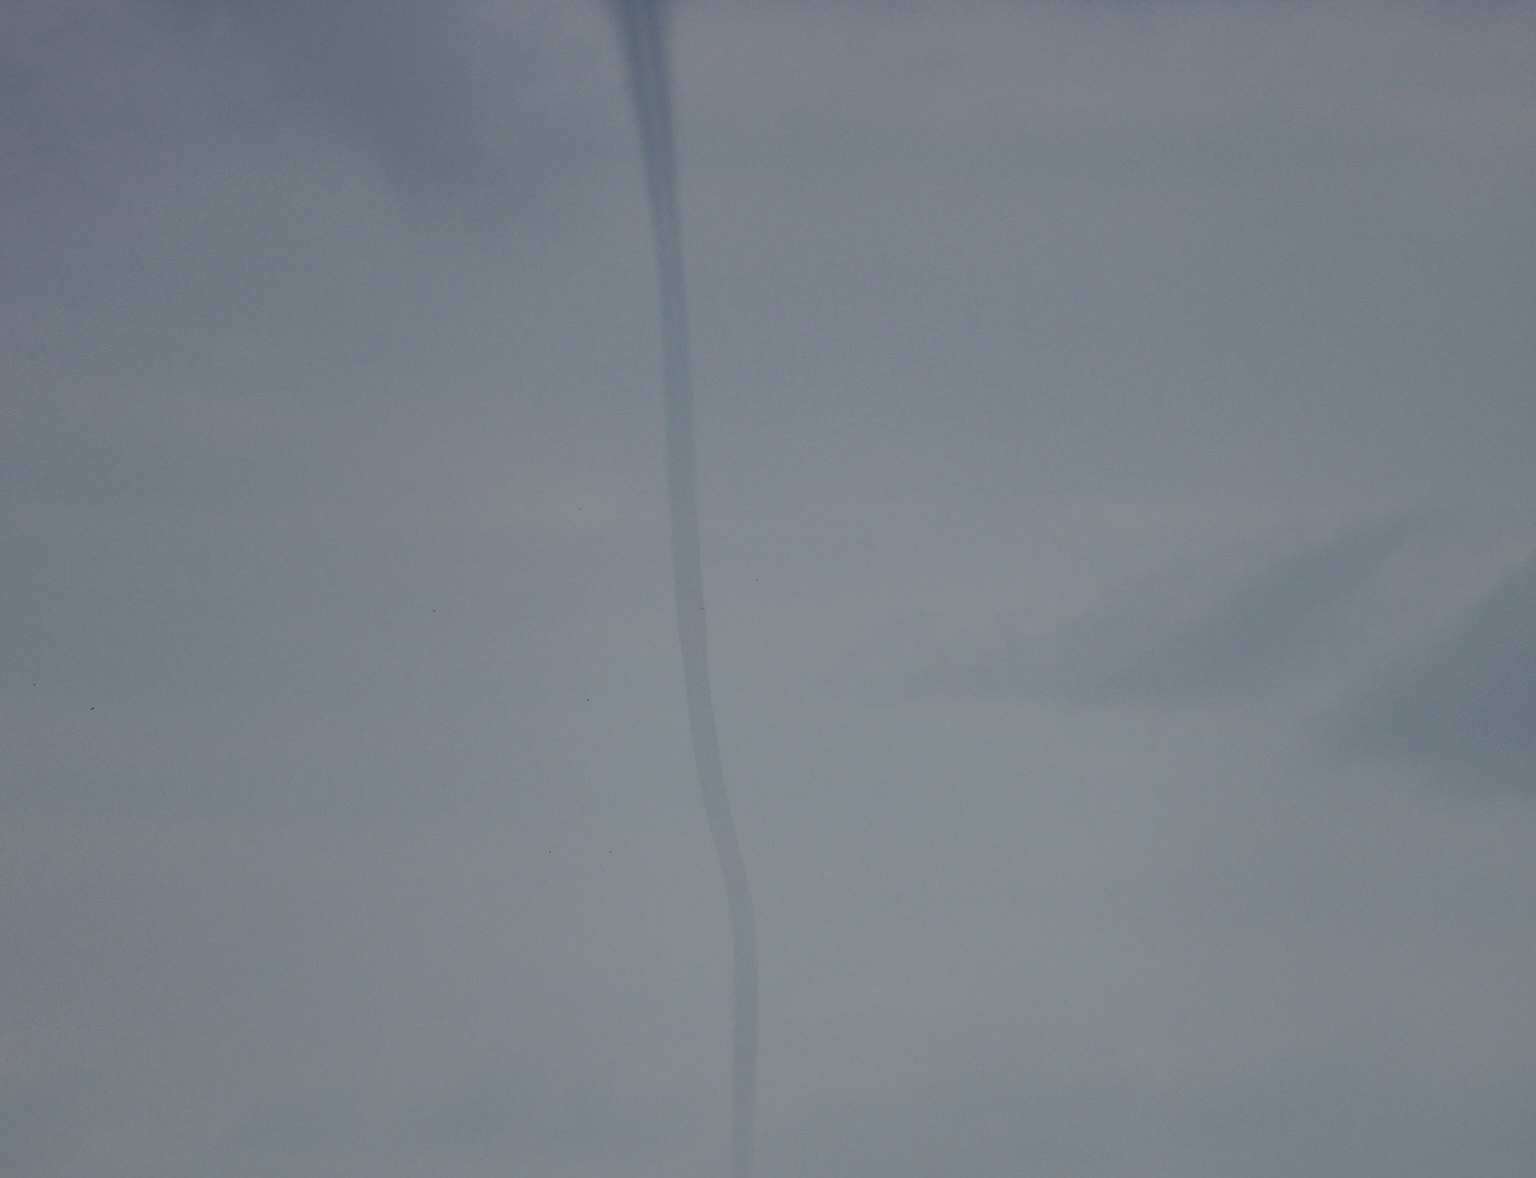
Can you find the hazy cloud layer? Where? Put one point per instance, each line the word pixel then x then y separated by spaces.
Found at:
pixel 1169 640
pixel 346 819
pixel 1466 701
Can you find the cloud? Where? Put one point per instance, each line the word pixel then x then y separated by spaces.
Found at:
pixel 396 78
pixel 1468 702
pixel 331 480
pixel 995 1100
pixel 1173 640
pixel 457 105
pixel 189 993
pixel 21 630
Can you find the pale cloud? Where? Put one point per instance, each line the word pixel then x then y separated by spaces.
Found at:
pixel 348 826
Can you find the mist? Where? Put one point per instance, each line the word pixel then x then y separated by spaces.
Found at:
pixel 1112 452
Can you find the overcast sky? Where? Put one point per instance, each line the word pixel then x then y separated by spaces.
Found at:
pixel 1115 428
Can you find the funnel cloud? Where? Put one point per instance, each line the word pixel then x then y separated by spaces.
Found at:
pixel 643 38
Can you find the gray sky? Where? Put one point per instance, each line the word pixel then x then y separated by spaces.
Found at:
pixel 1114 426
